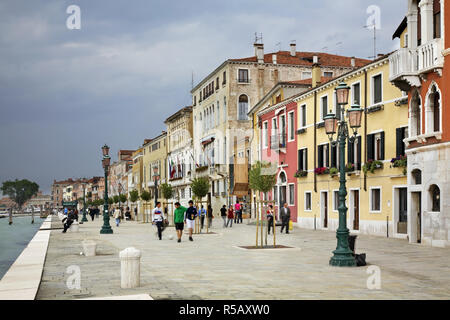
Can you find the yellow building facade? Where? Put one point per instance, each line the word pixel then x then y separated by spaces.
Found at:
pixel 376 199
pixel 154 155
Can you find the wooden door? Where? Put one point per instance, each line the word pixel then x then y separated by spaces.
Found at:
pixel 356 210
pixel 325 209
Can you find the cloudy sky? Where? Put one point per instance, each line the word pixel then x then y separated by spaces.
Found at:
pixel 64 93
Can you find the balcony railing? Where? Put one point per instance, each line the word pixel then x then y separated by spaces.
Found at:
pixel 407 62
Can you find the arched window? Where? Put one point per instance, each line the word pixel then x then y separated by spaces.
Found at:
pixel 282 178
pixel 433 111
pixel 435 194
pixel 243 107
pixel 416 115
pixel 417 176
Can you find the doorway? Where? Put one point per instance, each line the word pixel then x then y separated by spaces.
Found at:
pixel 402 207
pixel 355 208
pixel 324 207
pixel 416 217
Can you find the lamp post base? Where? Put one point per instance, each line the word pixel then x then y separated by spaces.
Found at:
pixel 342 259
pixel 84 219
pixel 106 230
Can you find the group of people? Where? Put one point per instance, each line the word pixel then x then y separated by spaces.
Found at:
pixel 119 215
pixel 285 215
pixel 233 213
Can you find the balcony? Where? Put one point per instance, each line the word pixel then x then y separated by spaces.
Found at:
pixel 278 141
pixel 405 65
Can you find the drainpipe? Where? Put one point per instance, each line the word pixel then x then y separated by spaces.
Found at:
pixel 315 139
pixel 365 126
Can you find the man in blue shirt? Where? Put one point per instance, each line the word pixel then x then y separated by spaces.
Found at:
pixel 202 214
pixel 191 214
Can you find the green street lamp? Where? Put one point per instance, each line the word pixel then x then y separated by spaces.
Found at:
pixel 84 202
pixel 342 256
pixel 106 228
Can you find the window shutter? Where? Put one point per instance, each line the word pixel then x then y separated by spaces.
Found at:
pixel 333 157
pixel 328 156
pixel 306 159
pixel 320 157
pixel 370 147
pixel 350 152
pixel 359 154
pixel 436 6
pixel 382 146
pixel 300 159
pixel 399 141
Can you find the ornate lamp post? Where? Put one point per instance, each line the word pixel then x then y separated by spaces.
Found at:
pixel 106 228
pixel 342 256
pixel 156 177
pixel 84 202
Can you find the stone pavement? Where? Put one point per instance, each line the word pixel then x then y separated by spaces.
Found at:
pixel 212 267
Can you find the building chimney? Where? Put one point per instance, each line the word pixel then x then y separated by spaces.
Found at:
pixel 293 49
pixel 353 62
pixel 316 72
pixel 274 59
pixel 259 52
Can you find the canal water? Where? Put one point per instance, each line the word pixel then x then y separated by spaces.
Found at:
pixel 14 238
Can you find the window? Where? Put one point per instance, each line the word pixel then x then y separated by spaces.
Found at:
pixel 265 134
pixel 308 201
pixel 195 101
pixel 224 81
pixel 275 194
pixel 217 83
pixel 323 155
pixel 433 111
pixel 416 115
pixel 243 76
pixel 306 75
pixel 224 108
pixel 436 19
pixel 375 146
pixel 324 106
pixel 356 93
pixel 401 133
pixel 354 153
pixel 283 131
pixel 243 107
pixel 218 113
pixel 328 74
pixel 291 126
pixel 334 157
pixel 278 99
pixel 303 116
pixel 417 176
pixel 303 159
pixel 377 89
pixel 291 194
pixel 375 199
pixel 335 200
pixel 435 194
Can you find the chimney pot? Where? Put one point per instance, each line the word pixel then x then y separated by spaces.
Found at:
pixel 274 59
pixel 259 52
pixel 293 49
pixel 315 59
pixel 353 62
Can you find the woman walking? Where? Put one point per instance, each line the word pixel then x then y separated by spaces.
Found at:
pixel 117 216
pixel 230 216
pixel 269 218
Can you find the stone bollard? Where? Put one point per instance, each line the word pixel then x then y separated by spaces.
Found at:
pixel 89 247
pixel 130 268
pixel 74 227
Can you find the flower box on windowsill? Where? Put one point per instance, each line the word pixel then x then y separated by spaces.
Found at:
pixel 321 171
pixel 300 174
pixel 372 165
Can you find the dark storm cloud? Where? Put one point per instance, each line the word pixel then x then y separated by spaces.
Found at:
pixel 63 93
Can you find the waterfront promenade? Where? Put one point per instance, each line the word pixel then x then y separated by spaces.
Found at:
pixel 213 267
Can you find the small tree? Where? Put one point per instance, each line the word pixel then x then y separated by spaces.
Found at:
pixel 134 196
pixel 200 187
pixel 261 180
pixel 145 196
pixel 110 200
pixel 116 199
pixel 123 198
pixel 167 191
pixel 20 191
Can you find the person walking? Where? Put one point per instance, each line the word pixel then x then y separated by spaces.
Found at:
pixel 117 216
pixel 179 219
pixel 97 212
pixel 223 214
pixel 128 214
pixel 285 215
pixel 191 214
pixel 92 213
pixel 237 209
pixel 269 218
pixel 202 214
pixel 158 219
pixel 230 216
pixel 68 220
pixel 135 213
pixel 210 216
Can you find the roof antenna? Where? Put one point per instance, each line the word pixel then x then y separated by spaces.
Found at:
pixel 337 45
pixel 374 39
pixel 258 39
pixel 279 46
